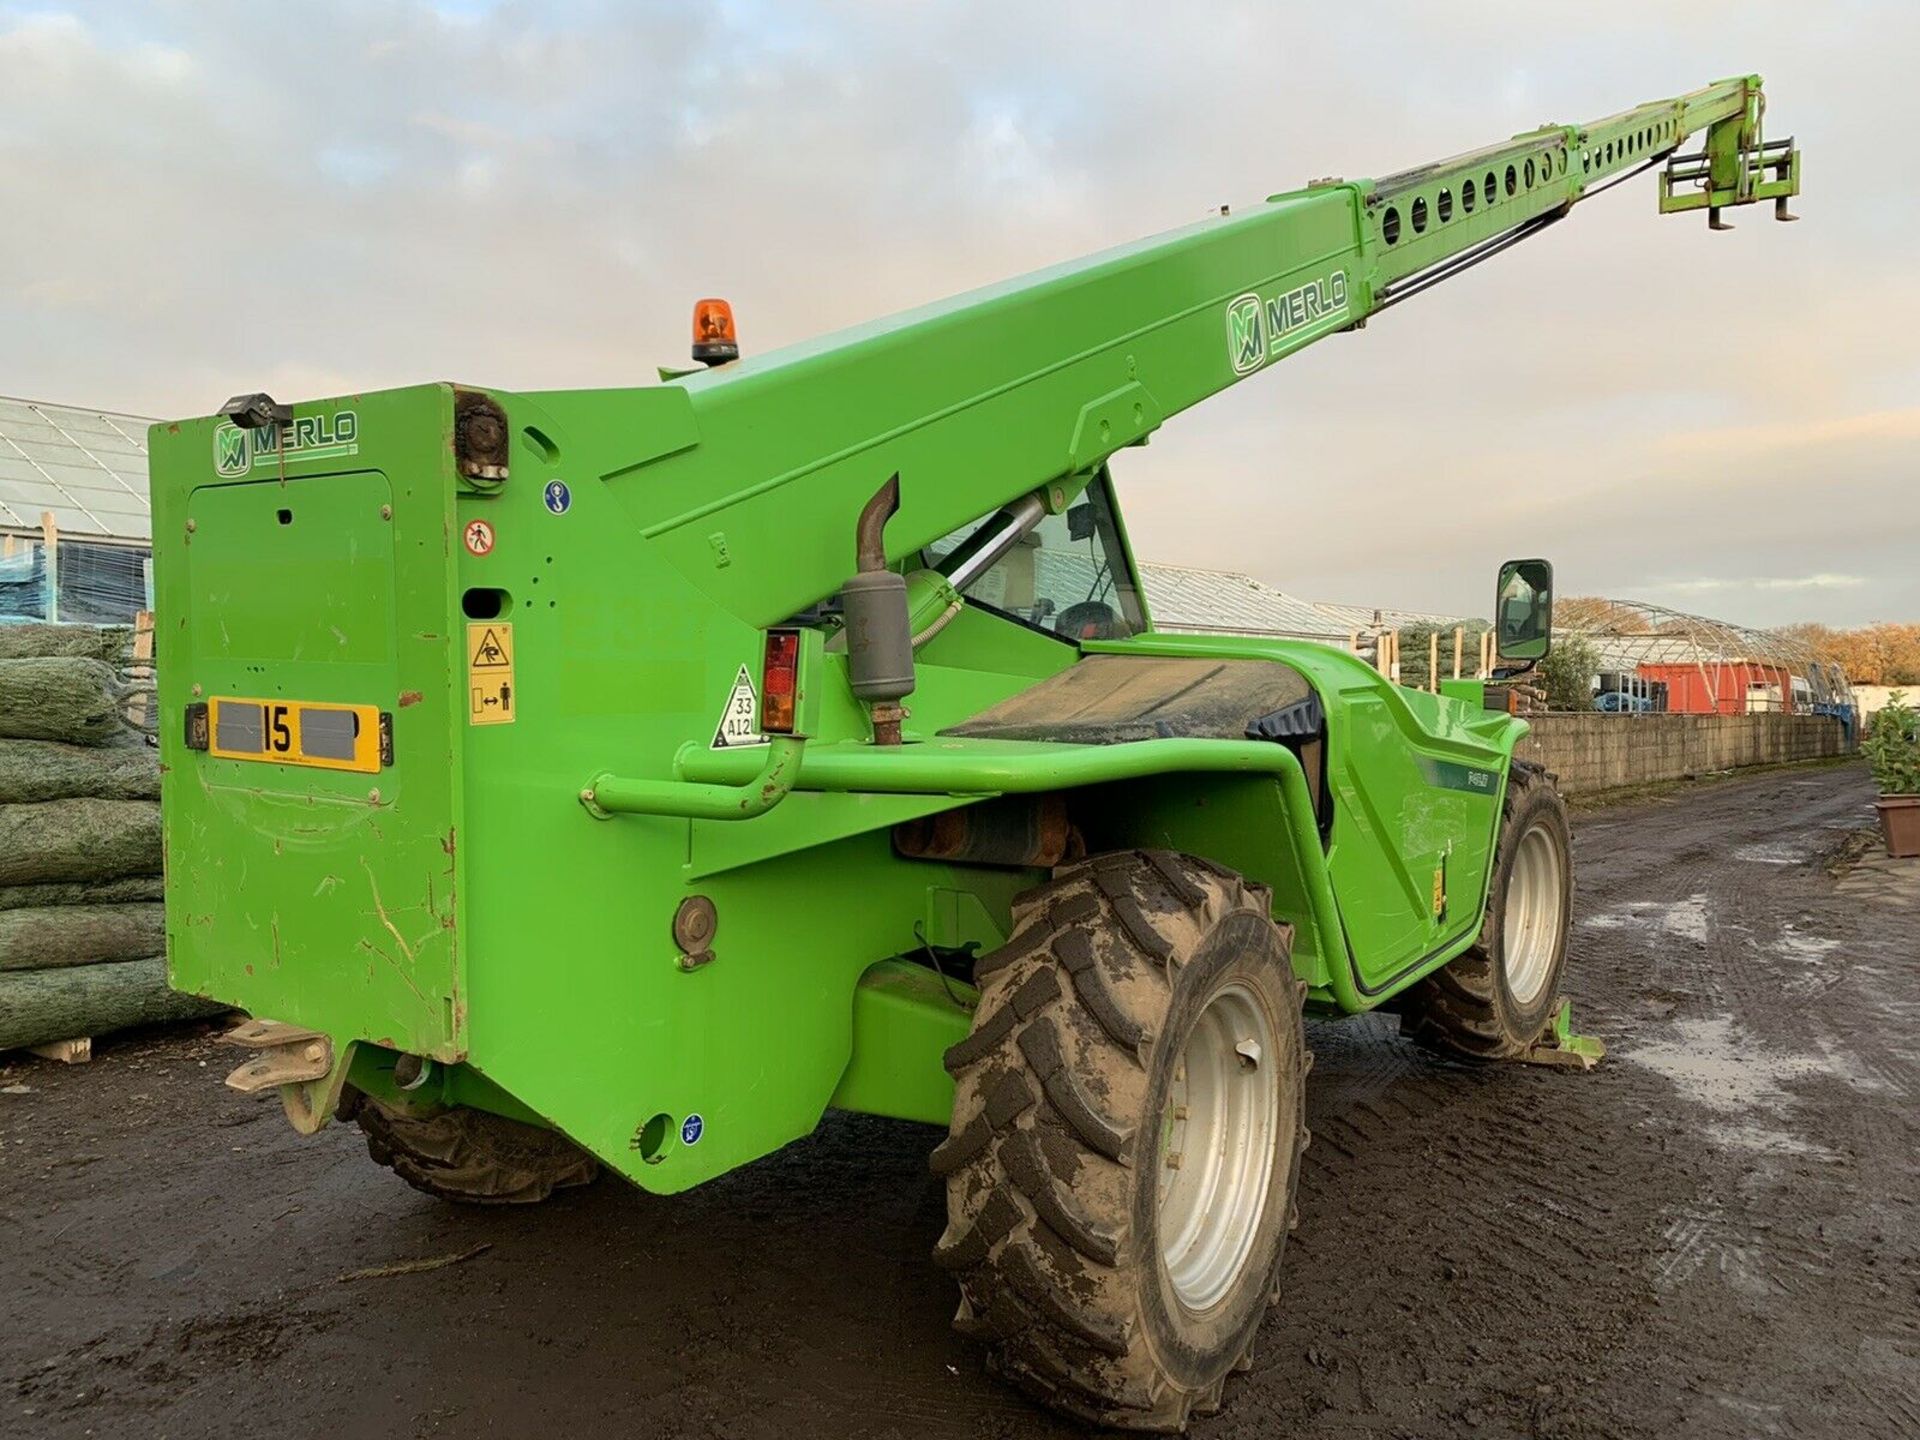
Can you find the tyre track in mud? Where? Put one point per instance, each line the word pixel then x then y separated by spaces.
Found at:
pixel 1715 1234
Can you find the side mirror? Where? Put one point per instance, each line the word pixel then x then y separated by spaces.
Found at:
pixel 1080 521
pixel 1523 611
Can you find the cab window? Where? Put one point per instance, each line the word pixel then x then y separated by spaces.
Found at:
pixel 1068 576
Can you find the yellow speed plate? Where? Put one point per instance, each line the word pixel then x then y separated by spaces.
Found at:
pixel 295 732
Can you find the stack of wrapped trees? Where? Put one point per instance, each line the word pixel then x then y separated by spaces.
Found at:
pixel 82 929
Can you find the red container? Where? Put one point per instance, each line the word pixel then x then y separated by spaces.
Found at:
pixel 1724 687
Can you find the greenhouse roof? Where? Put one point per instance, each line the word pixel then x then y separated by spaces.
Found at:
pixel 88 468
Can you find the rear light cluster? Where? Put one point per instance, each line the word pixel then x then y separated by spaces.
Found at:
pixel 780 683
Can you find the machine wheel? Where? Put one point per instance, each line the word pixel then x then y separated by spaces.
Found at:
pixel 1126 1134
pixel 473 1156
pixel 1495 1000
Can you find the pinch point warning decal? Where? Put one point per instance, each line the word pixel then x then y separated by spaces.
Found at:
pixel 490 698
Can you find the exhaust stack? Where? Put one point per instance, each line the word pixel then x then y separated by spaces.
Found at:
pixel 879 630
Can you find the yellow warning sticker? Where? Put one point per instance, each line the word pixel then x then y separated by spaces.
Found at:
pixel 490 673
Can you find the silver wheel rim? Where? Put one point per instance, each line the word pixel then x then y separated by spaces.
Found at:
pixel 1219 1138
pixel 1532 914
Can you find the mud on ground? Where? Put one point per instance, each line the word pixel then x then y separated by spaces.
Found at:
pixel 1714 1235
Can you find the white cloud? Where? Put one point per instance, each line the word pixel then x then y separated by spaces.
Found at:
pixel 163 64
pixel 1796 582
pixel 1816 582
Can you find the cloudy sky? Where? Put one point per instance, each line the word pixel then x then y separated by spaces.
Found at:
pixel 201 198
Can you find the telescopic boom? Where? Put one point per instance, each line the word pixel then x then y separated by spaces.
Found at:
pixel 1005 392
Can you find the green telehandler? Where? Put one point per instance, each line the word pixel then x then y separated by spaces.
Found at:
pixel 620 778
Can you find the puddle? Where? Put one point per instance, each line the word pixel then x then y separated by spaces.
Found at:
pixel 1714 1063
pixel 1762 1140
pixel 1810 955
pixel 1803 949
pixel 1870 1076
pixel 1775 852
pixel 1686 918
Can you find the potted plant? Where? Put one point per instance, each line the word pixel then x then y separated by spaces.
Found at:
pixel 1892 746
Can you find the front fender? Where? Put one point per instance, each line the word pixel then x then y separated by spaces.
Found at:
pixel 1417 782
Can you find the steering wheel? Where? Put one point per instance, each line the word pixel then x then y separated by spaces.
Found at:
pixel 1090 620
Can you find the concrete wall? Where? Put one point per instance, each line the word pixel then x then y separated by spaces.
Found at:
pixel 1604 752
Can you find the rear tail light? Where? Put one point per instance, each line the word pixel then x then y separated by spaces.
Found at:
pixel 780 683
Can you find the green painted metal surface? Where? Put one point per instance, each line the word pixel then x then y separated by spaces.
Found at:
pixel 902 1013
pixel 581 630
pixel 289 889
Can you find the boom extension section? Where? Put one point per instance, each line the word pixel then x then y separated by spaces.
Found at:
pixel 1535 179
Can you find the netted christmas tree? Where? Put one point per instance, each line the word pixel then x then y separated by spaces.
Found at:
pixel 82 927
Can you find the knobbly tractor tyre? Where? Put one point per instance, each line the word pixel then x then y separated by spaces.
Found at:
pixel 1495 1001
pixel 470 1156
pixel 1126 1137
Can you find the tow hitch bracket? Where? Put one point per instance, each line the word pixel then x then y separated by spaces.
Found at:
pixel 287 1055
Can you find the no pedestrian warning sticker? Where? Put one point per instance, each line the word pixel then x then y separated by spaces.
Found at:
pixel 490 673
pixel 737 721
pixel 479 537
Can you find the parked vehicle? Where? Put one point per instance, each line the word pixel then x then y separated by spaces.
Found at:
pixel 1619 701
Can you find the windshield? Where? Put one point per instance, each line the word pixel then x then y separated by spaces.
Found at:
pixel 1068 576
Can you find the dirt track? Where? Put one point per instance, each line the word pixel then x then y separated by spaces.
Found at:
pixel 1717 1234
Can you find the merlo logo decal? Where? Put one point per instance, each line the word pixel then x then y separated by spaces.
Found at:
pixel 1246 334
pixel 308 437
pixel 230 451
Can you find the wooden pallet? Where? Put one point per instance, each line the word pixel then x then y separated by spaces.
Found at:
pixel 140 671
pixel 67 1052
